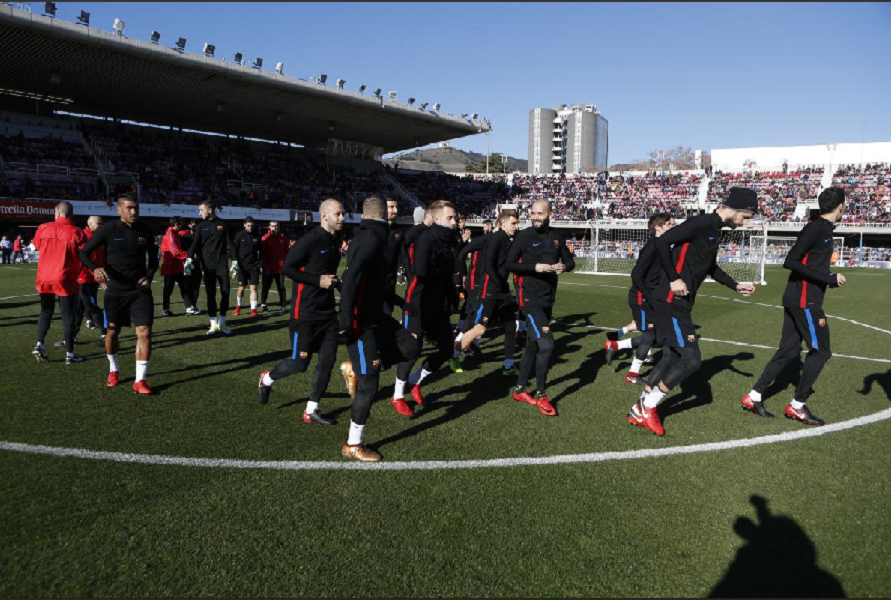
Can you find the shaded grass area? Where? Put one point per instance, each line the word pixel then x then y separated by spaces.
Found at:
pixel 676 526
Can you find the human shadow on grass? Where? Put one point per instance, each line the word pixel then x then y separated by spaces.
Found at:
pixel 247 363
pixel 197 337
pixel 779 560
pixel 30 321
pixel 696 390
pixel 883 379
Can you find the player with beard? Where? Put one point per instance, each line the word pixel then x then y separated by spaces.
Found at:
pixel 803 316
pixel 248 256
pixel 429 300
pixel 495 301
pixel 173 258
pixel 538 255
pixel 275 248
pixel 688 254
pixel 131 259
pixel 394 251
pixel 645 277
pixel 374 339
pixel 312 263
pixel 211 247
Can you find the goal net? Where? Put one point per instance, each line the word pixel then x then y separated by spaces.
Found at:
pixel 778 247
pixel 613 249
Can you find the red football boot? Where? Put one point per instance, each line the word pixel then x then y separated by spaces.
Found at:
pixel 544 405
pixel 415 391
pixel 401 407
pixel 254 312
pixel 112 380
pixel 237 311
pixel 141 387
pixel 646 418
pixel 521 395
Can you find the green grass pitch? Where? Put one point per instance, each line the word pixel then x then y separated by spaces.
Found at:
pixel 685 525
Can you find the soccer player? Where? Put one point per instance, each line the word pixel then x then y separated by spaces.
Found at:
pixel 210 247
pixel 374 339
pixel 472 284
pixel 538 255
pixel 312 263
pixel 58 269
pixel 645 277
pixel 275 248
pixel 495 300
pixel 192 271
pixel 394 251
pixel 248 248
pixel 429 300
pixel 412 235
pixel 688 254
pixel 803 316
pixel 129 247
pixel 173 259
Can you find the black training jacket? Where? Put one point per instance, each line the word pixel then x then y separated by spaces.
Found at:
pixel 495 280
pixel 475 248
pixel 645 275
pixel 364 287
pixel 130 253
pixel 533 246
pixel 248 249
pixel 316 253
pixel 212 243
pixel 809 260
pixel 433 288
pixel 409 243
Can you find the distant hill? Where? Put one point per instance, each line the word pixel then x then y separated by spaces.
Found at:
pixel 454 161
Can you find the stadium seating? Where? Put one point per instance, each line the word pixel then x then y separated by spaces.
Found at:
pixel 867 192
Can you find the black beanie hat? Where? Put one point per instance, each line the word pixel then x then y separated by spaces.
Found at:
pixel 741 198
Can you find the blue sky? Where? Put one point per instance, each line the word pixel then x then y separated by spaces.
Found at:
pixel 699 75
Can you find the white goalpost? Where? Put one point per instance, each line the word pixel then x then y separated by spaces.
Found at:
pixel 614 246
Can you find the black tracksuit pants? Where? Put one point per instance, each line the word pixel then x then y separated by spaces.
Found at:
pixel 68 307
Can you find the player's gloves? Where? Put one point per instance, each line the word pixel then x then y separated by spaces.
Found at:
pixel 187 268
pixel 234 270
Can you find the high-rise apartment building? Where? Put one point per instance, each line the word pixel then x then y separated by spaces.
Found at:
pixel 568 139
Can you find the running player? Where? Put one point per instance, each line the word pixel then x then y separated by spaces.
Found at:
pixel 210 246
pixel 394 251
pixel 472 284
pixel 429 300
pixel 374 339
pixel 129 247
pixel 192 269
pixel 645 276
pixel 312 264
pixel 58 269
pixel 275 248
pixel 248 250
pixel 173 259
pixel 688 254
pixel 538 255
pixel 803 316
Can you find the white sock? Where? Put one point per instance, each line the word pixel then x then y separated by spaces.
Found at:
pixel 213 321
pixel 113 362
pixel 69 354
pixel 311 407
pixel 418 376
pixel 653 398
pixel 459 337
pixel 797 405
pixel 755 396
pixel 636 364
pixel 399 389
pixel 253 305
pixel 141 369
pixel 238 301
pixel 508 363
pixel 625 344
pixel 267 380
pixel 355 434
pixel 222 320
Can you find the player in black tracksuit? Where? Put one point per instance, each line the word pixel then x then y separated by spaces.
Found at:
pixel 803 317
pixel 409 245
pixel 131 259
pixel 312 264
pixel 248 247
pixel 430 299
pixel 495 301
pixel 538 255
pixel 471 279
pixel 211 246
pixel 688 254
pixel 374 339
pixel 394 263
pixel 193 279
pixel 645 277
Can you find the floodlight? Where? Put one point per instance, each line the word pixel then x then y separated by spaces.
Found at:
pixel 411 101
pixel 49 9
pixel 209 50
pixel 424 105
pixel 83 18
pixel 258 64
pixel 323 78
pixel 392 96
pixel 118 27
pixel 155 37
pixel 437 106
pixel 238 58
pixel 340 83
pixel 362 88
pixel 181 44
pixel 280 67
pixel 377 93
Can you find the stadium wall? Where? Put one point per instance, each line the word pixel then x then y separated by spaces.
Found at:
pixel 772 158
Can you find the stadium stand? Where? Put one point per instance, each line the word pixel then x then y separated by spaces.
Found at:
pixel 868 192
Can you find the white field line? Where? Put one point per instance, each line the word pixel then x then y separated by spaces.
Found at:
pixel 297 465
pixel 23 296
